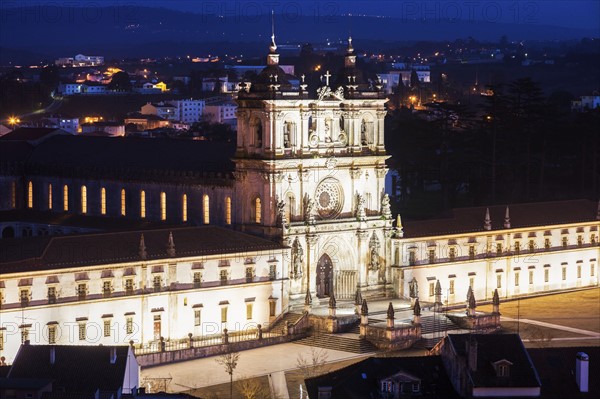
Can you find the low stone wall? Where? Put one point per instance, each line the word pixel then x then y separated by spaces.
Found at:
pixel 336 324
pixel 481 322
pixel 158 358
pixel 399 337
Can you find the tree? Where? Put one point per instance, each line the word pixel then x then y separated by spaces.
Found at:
pixel 229 361
pixel 314 364
pixel 120 82
pixel 251 388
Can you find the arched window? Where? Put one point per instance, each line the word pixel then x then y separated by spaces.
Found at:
pixel 184 208
pixel 83 199
pixel 30 195
pixel 291 207
pixel 65 198
pixel 228 210
pixel 49 196
pixel 257 210
pixel 142 204
pixel 123 202
pixel 103 201
pixel 163 206
pixel 206 209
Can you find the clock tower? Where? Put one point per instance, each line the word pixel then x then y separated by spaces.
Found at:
pixel 310 171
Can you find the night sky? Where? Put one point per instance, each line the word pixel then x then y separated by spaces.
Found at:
pixel 571 13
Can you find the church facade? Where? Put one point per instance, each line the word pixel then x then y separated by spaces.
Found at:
pixel 296 212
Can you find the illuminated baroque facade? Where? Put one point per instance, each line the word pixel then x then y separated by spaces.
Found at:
pixel 295 213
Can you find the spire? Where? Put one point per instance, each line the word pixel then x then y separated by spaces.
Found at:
pixel 350 59
pixel 358 297
pixel 332 301
pixel 469 293
pixel 507 219
pixel 171 245
pixel 142 250
pixel 350 48
pixel 399 229
pixel 496 298
pixel 273 46
pixel 487 222
pixel 390 312
pixel 472 303
pixel 364 309
pixel 417 308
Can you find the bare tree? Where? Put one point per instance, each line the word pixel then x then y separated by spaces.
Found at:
pixel 229 361
pixel 314 364
pixel 251 388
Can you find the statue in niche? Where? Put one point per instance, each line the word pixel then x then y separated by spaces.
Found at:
pixel 309 207
pixel 374 252
pixel 361 214
pixel 281 213
pixel 297 259
pixel 413 288
pixel 287 134
pixel 363 132
pixel 386 211
pixel 327 131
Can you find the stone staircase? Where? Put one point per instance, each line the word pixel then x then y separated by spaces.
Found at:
pixel 279 325
pixel 339 343
pixel 436 328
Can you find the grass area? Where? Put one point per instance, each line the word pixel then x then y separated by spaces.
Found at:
pixel 257 385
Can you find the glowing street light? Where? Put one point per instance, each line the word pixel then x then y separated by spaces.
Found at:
pixel 13 120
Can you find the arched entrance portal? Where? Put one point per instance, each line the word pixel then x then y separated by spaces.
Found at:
pixel 324 276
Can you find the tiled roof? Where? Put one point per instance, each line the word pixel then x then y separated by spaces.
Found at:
pixel 75 369
pixel 362 379
pixel 43 253
pixel 30 133
pixel 492 348
pixel 465 220
pixel 556 368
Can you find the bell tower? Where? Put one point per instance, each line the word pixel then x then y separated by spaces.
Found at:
pixel 310 170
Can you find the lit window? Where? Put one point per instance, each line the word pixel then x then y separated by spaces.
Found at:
pixel 578 271
pixel 272 272
pixel 197 280
pixel 517 247
pixel 142 204
pixel 103 201
pixel 499 248
pixel 471 282
pixel 206 209
pixel 123 198
pixel 82 331
pixel 431 289
pixel 547 243
pixel 106 289
pixel 531 277
pixel 272 307
pixel 51 335
pixel 83 199
pixel 592 270
pixel 24 296
pixel 249 274
pixel 516 279
pixel 451 287
pixel 49 196
pixel 184 208
pixel 129 325
pixel 249 311
pixel 81 291
pixel 51 294
pixel 498 281
pixel 30 195
pixel 431 255
pixel 163 206
pixel 228 210
pixel 257 211
pixel 546 275
pixel 564 273
pixel 65 198
pixel 452 253
pixel 197 317
pixel 223 276
pixel 129 286
pixel 471 252
pixel 157 283
pixel 224 314
pixel 107 328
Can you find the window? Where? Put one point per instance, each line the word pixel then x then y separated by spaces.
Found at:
pixel 530 277
pixel 272 307
pixel 471 252
pixel 142 204
pixel 52 334
pixel 163 206
pixel 431 289
pixel 224 314
pixel 592 270
pixel 129 286
pixel 249 311
pixel 517 279
pixel 30 195
pixel 49 196
pixel 565 242
pixel 451 287
pixel 471 282
pixel 499 249
pixel 51 294
pixel 547 243
pixel 498 281
pixel 546 275
pixel 129 325
pixel 106 289
pixel 431 256
pixel 223 276
pixel 578 271
pixel 257 211
pixel 272 272
pixel 531 245
pixel 228 210
pixel 24 297
pixel 123 202
pixel 197 280
pixel 517 247
pixel 206 209
pixel 452 253
pixel 593 239
pixel 412 257
pixel 81 291
pixel 24 334
pixel 107 328
pixel 502 370
pixel 157 283
pixel 564 273
pixel 249 274
pixel 197 317
pixel 103 201
pixel 184 216
pixel 579 240
pixel 65 198
pixel 83 199
pixel 82 331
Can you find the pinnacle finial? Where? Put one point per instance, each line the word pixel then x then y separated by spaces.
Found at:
pixel 417 308
pixel 507 218
pixel 358 297
pixel 308 297
pixel 171 245
pixel 487 222
pixel 350 48
pixel 390 311
pixel 469 293
pixel 273 46
pixel 142 251
pixel 332 301
pixel 472 302
pixel 496 298
pixel 364 309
